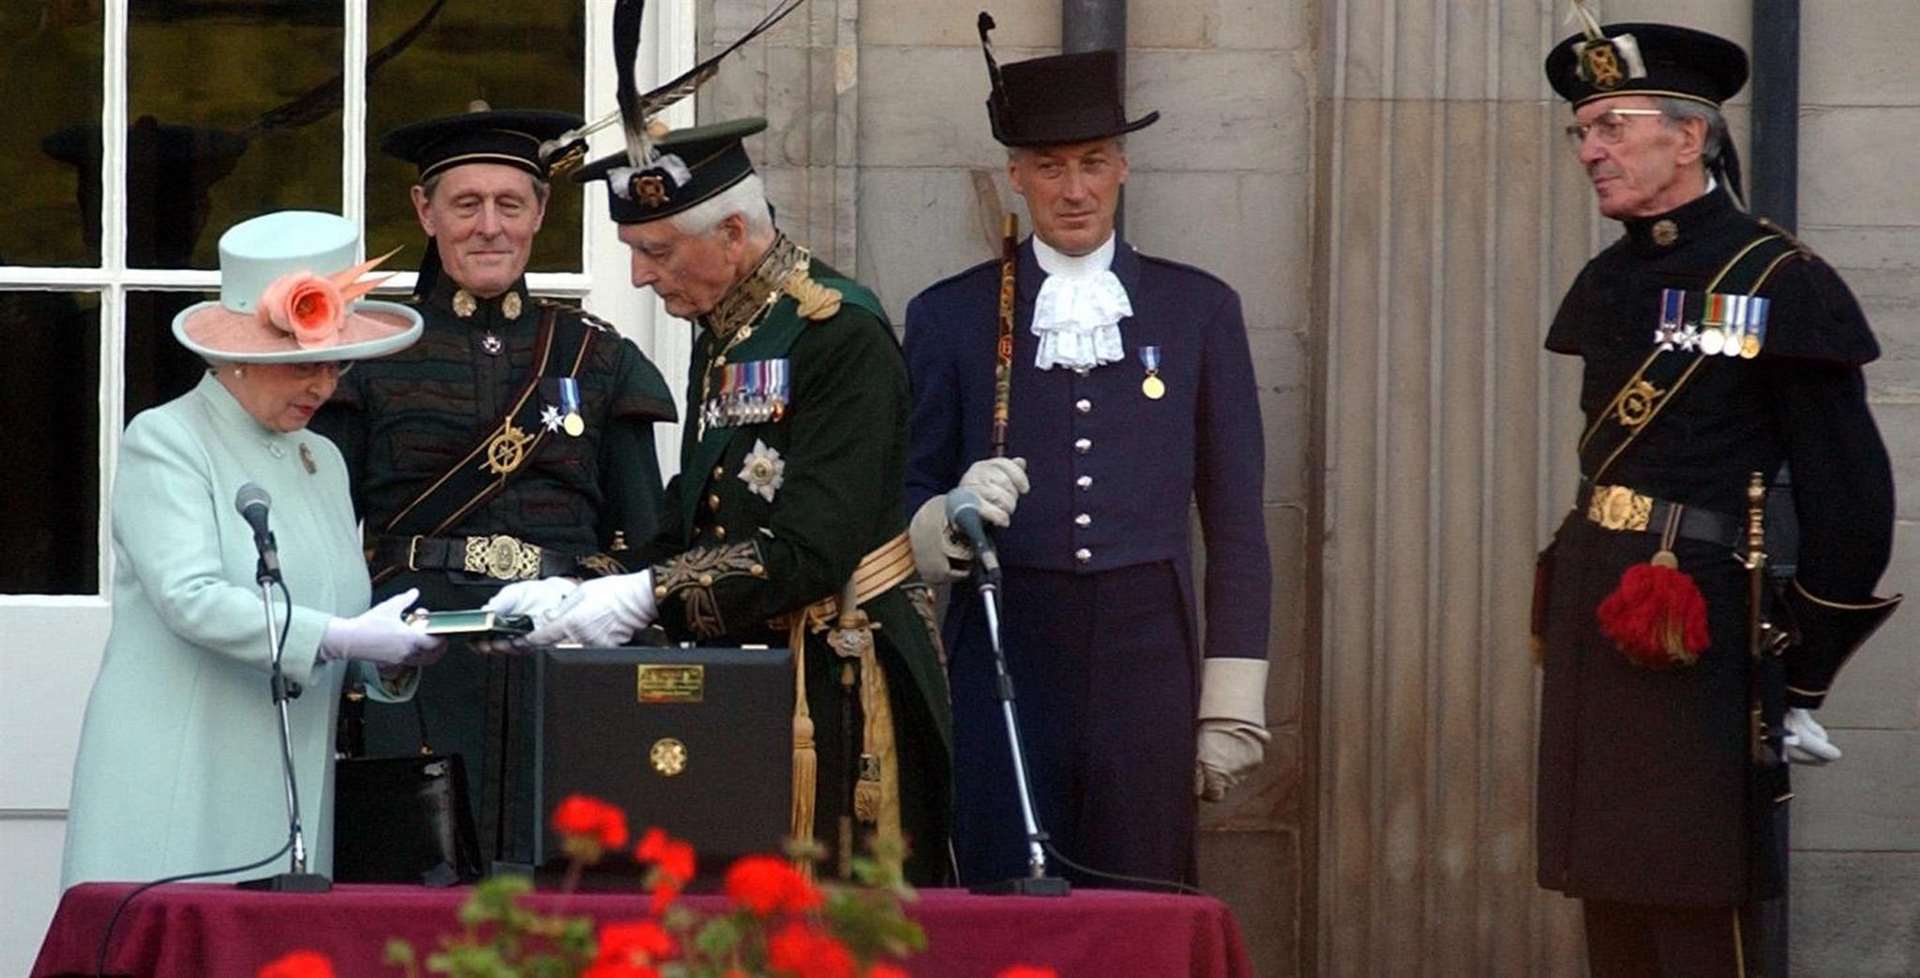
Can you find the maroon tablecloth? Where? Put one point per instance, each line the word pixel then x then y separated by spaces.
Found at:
pixel 189 930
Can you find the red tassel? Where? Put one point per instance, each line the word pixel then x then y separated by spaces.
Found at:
pixel 1656 616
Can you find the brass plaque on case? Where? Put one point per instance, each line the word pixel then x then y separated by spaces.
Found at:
pixel 671 683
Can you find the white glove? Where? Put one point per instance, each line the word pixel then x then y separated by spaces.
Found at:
pixel 531 598
pixel 381 636
pixel 1233 732
pixel 938 555
pixel 1806 740
pixel 602 611
pixel 999 482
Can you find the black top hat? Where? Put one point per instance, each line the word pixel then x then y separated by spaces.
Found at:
pixel 1060 99
pixel 689 167
pixel 481 135
pixel 1646 59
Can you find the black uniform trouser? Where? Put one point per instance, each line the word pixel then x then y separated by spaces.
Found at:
pixel 1635 940
pixel 1106 683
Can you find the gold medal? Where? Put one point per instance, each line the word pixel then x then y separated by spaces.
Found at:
pixel 1749 346
pixel 1153 387
pixel 573 426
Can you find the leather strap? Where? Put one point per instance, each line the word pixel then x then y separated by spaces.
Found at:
pixel 500 556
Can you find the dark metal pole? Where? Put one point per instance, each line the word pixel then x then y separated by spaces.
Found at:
pixel 1775 184
pixel 1093 25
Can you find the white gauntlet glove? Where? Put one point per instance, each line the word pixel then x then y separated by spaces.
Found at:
pixel 602 611
pixel 1233 724
pixel 1806 740
pixel 381 636
pixel 941 556
pixel 999 482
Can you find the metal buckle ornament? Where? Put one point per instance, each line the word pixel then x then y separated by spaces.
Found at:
pixel 1619 508
pixel 502 558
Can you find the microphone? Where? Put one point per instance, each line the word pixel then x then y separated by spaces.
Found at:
pixel 963 512
pixel 252 502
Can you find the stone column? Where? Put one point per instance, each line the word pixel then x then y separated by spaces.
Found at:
pixel 1452 219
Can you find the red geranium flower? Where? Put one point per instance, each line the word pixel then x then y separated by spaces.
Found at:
pixel 883 970
pixel 298 964
pixel 591 820
pixel 768 885
pixel 803 952
pixel 673 856
pixel 1027 971
pixel 636 942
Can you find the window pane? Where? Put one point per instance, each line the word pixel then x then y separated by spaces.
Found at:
pixel 51 375
pixel 51 211
pixel 236 112
pixel 158 368
pixel 513 54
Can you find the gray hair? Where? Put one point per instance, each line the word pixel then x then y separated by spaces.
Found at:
pixel 748 198
pixel 1679 110
pixel 541 188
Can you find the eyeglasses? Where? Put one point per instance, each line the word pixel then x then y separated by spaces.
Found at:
pixel 1608 127
pixel 310 370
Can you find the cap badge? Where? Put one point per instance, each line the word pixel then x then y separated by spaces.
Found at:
pixel 650 189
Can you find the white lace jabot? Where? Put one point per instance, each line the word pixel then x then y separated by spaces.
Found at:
pixel 1077 314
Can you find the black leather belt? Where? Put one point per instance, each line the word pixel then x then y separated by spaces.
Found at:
pixel 500 556
pixel 1621 508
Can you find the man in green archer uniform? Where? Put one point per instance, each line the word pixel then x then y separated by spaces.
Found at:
pixel 514 441
pixel 786 523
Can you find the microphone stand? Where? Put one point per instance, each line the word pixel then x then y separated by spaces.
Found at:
pixel 1036 882
pixel 296 879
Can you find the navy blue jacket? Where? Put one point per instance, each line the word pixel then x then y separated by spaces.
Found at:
pixel 1115 473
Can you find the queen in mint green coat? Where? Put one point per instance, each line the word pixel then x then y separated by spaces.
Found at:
pixel 179 768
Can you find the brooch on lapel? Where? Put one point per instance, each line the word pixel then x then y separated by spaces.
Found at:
pixel 764 470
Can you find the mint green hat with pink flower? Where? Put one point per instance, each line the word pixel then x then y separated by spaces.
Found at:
pixel 290 292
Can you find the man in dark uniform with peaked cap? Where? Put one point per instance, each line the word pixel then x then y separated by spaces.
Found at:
pixel 1132 399
pixel 785 524
pixel 513 442
pixel 1715 347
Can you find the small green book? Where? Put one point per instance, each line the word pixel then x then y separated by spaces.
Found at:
pixel 475 622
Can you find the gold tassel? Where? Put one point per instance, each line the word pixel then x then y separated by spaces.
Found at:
pixel 877 800
pixel 806 760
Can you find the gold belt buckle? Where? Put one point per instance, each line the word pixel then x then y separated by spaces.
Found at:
pixel 1619 508
pixel 502 557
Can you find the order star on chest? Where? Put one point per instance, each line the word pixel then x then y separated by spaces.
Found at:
pixel 763 470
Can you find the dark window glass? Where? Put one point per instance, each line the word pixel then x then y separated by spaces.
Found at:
pixel 235 110
pixel 511 54
pixel 49 528
pixel 51 211
pixel 158 368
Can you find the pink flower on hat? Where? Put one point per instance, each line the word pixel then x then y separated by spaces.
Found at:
pixel 313 309
pixel 307 306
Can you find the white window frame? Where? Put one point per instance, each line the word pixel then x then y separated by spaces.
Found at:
pixel 602 285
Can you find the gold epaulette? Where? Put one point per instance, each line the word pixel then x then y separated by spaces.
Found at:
pixel 817 302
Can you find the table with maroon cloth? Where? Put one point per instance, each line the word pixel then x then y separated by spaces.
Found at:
pixel 198 930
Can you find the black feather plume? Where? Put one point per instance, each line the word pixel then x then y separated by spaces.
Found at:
pixel 626 49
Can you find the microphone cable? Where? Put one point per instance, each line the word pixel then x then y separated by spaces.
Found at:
pixel 100 963
pixel 106 937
